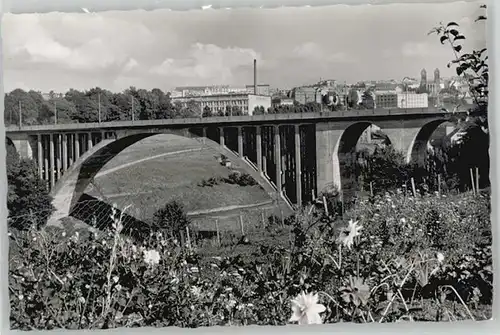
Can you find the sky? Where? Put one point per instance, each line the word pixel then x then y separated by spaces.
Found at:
pixel 293 46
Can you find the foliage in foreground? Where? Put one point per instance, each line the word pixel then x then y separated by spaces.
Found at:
pixel 387 264
pixel 28 199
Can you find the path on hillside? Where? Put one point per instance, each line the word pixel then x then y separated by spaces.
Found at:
pixel 119 167
pixel 228 208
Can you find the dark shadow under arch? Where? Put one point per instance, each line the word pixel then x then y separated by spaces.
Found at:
pixel 346 152
pixel 418 148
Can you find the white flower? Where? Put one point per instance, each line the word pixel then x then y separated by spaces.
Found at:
pixel 115 279
pixel 196 291
pixel 21 297
pixel 440 257
pixel 63 234
pixel 118 287
pixel 231 303
pixel 349 233
pixel 152 257
pixel 81 300
pixel 306 310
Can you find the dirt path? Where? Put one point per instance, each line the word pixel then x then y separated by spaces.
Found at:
pixel 227 208
pixel 119 167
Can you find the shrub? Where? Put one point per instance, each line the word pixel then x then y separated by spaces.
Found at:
pixel 28 199
pixel 241 179
pixel 171 219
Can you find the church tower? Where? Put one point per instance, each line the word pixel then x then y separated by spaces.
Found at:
pixel 423 77
pixel 437 78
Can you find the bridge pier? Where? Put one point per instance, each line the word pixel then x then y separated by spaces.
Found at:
pixel 221 137
pixel 258 144
pixel 52 160
pixel 277 160
pixel 46 155
pixel 76 143
pixel 40 155
pixel 298 165
pixel 90 144
pixel 327 160
pixel 240 141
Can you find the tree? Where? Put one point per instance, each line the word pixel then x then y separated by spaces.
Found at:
pixel 473 67
pixel 29 104
pixel 172 219
pixel 28 199
pixel 66 111
pixel 207 112
pixel 86 107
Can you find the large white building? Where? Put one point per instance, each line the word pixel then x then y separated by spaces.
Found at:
pixel 412 100
pixel 219 102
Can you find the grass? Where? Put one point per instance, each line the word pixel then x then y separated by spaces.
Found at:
pixel 150 184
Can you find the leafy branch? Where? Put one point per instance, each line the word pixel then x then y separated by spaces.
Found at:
pixel 471 66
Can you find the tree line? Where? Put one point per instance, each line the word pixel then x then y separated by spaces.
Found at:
pixel 93 105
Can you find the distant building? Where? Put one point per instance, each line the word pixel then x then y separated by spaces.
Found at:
pixel 386 99
pixel 306 94
pixel 412 100
pixel 191 91
pixel 434 87
pixel 401 100
pixel 282 101
pixel 262 89
pixel 219 102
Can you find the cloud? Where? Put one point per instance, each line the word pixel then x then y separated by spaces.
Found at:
pixel 311 51
pixel 208 63
pixel 88 43
pixel 293 46
pixel 416 49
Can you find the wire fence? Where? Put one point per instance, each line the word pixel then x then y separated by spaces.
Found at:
pixel 216 228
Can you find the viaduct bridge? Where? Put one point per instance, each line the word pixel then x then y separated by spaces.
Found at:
pixel 294 156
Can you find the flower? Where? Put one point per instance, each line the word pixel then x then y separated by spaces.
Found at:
pixel 196 291
pixel 305 309
pixel 349 233
pixel 152 257
pixel 440 257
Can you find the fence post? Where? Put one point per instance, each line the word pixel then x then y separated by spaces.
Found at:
pixel 439 184
pixel 371 188
pixel 472 181
pixel 188 237
pixel 263 216
pixel 414 189
pixel 242 226
pixel 325 205
pixel 477 180
pixel 218 232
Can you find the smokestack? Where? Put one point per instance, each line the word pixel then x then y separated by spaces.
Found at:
pixel 255 76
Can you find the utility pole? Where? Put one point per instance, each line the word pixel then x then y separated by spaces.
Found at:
pixel 133 112
pixel 99 102
pixel 20 115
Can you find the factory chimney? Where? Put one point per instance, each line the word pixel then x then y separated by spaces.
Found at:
pixel 255 76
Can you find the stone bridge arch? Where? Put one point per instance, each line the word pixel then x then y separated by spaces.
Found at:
pixel 409 136
pixel 69 189
pixel 418 148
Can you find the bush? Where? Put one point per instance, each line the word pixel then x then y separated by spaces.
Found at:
pixel 28 199
pixel 171 219
pixel 241 179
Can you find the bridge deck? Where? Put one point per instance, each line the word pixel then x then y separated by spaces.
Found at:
pixel 236 120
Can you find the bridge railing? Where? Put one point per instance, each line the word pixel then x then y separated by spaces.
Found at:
pixel 225 119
